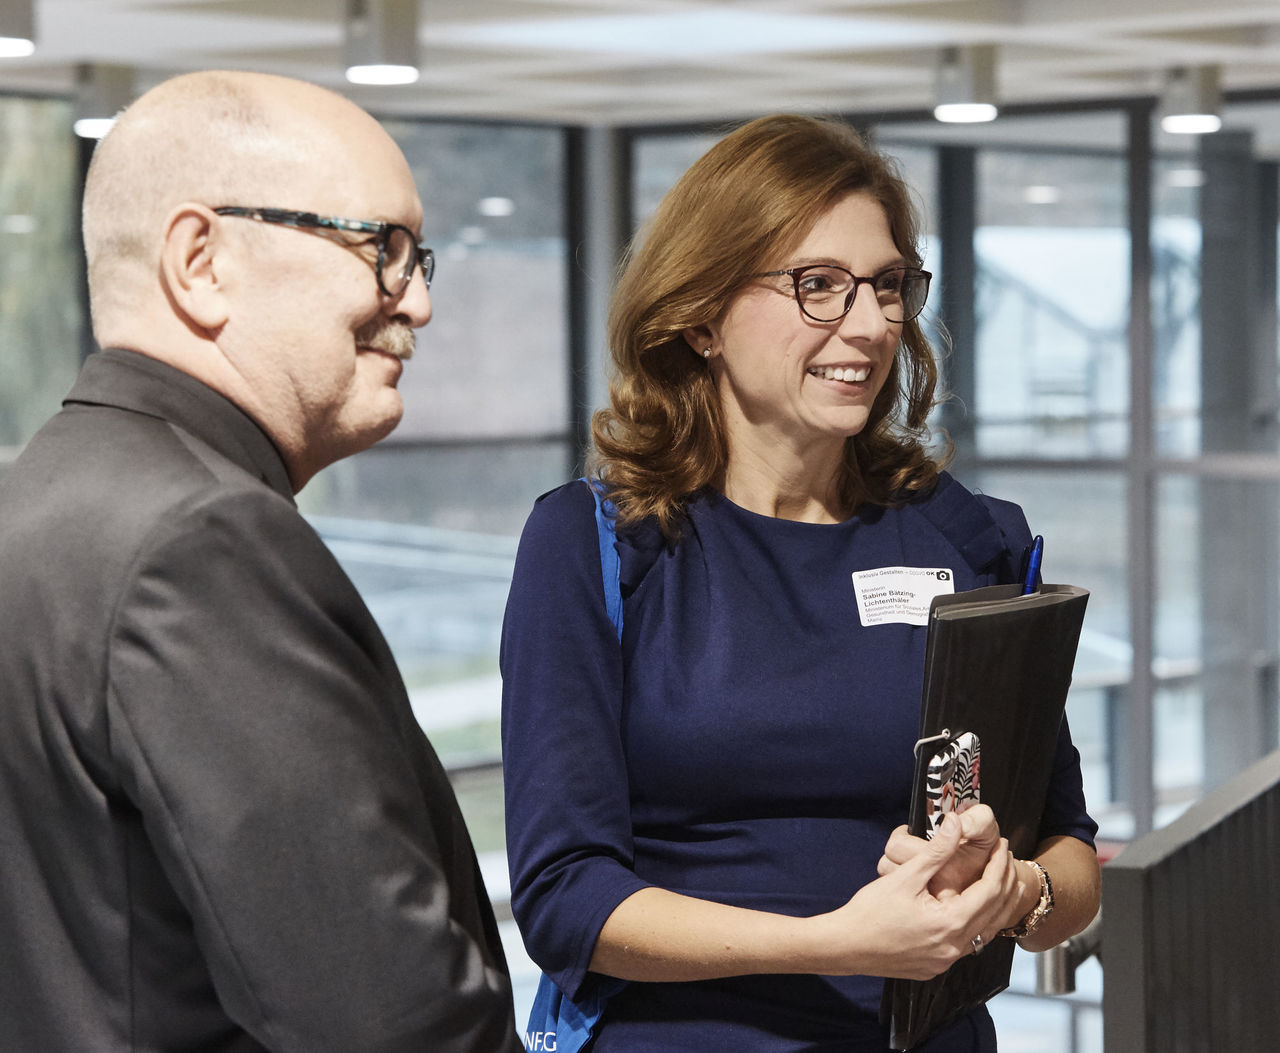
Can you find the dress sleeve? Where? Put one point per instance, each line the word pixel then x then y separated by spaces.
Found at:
pixel 260 728
pixel 1064 808
pixel 569 837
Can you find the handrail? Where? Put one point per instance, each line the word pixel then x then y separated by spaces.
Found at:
pixel 1190 923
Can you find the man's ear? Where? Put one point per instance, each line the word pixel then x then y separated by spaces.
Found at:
pixel 190 260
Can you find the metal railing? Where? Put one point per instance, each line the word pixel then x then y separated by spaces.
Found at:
pixel 1190 925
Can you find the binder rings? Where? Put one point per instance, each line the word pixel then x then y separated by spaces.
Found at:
pixel 997 663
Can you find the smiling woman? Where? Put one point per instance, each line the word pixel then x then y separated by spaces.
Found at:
pixel 704 805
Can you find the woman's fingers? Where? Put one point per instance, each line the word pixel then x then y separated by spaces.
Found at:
pixel 986 900
pixel 978 825
pixel 900 847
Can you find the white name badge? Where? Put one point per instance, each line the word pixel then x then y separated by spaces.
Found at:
pixel 900 595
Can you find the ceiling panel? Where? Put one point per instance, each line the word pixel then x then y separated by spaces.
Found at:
pixel 656 61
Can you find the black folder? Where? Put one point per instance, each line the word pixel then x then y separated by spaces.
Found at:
pixel 997 663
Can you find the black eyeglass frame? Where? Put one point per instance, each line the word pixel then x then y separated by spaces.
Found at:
pixel 909 273
pixel 422 257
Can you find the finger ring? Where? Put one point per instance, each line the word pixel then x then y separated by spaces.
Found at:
pixel 977 944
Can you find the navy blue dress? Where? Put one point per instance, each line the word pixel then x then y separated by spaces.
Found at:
pixel 750 743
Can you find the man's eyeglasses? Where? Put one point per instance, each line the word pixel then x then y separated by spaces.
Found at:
pixel 398 248
pixel 826 292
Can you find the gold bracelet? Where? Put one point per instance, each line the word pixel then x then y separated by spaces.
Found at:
pixel 1037 914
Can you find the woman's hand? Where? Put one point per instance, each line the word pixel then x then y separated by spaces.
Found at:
pixel 1072 865
pixel 979 836
pixel 896 926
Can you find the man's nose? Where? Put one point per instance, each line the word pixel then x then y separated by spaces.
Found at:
pixel 414 304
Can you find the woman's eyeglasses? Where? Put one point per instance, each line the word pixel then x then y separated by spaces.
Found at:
pixel 826 292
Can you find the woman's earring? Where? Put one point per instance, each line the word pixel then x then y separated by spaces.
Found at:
pixel 706 351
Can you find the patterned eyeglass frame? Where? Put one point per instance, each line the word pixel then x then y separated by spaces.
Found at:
pixel 422 257
pixel 794 274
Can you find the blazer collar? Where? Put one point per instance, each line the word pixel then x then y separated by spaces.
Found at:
pixel 133 381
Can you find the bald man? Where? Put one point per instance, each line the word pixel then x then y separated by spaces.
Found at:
pixel 220 826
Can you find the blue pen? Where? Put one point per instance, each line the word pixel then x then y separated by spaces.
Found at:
pixel 1034 556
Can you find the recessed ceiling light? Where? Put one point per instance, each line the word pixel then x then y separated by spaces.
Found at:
pixel 1041 195
pixel 965 85
pixel 16 47
pixel 17 28
pixel 1185 178
pixel 382 74
pixel 1192 98
pixel 1191 123
pixel 93 127
pixel 965 112
pixel 18 224
pixel 496 206
pixel 381 41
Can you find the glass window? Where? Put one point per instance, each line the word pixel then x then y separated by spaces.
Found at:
pixel 1217 631
pixel 1214 308
pixel 1082 517
pixel 918 165
pixel 1175 300
pixel 1214 287
pixel 41 309
pixel 1052 249
pixel 493 362
pixel 659 160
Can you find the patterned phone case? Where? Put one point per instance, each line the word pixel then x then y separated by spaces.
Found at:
pixel 952 779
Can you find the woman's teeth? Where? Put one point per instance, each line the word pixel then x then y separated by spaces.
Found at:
pixel 848 374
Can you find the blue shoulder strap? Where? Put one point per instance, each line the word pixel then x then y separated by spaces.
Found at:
pixel 610 564
pixel 557 1022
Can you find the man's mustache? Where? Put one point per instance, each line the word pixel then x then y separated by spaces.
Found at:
pixel 385 334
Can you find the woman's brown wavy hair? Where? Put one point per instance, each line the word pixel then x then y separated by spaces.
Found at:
pixel 747 202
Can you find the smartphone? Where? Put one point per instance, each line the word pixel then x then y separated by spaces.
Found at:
pixel 952 780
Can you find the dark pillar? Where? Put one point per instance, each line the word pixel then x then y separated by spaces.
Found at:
pixel 598 163
pixel 957 211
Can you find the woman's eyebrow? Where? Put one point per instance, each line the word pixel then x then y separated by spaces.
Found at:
pixel 835 261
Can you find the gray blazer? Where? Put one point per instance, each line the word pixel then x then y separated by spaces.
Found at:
pixel 220 825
